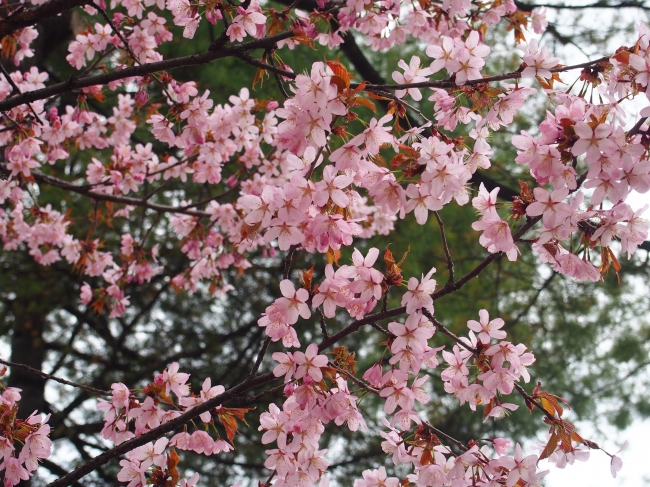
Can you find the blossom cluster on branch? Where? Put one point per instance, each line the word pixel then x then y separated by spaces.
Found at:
pixel 23 442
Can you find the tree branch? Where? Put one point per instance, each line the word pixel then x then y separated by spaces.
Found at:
pixel 157 432
pixel 56 379
pixel 528 7
pixel 143 69
pixel 445 247
pixel 15 91
pixel 260 357
pixel 32 15
pixel 127 200
pixel 449 83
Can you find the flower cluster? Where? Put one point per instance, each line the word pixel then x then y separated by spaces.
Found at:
pixel 310 405
pixel 126 417
pixel 497 367
pixel 23 442
pixel 610 165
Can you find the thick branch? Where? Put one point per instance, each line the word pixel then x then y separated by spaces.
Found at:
pixel 32 15
pixel 449 83
pixel 85 190
pixel 528 7
pixel 156 433
pixel 143 69
pixel 359 60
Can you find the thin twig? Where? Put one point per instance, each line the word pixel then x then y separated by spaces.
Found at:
pixel 323 325
pixel 358 382
pixel 248 59
pixel 445 247
pixel 450 83
pixel 241 400
pixel 268 481
pixel 382 330
pixel 116 31
pixel 56 379
pixel 315 161
pixel 276 75
pixel 530 399
pixel 150 195
pixel 153 225
pixel 637 127
pixel 447 332
pixel 288 261
pixel 532 302
pixel 15 91
pixel 260 357
pixel 213 198
pixel 445 435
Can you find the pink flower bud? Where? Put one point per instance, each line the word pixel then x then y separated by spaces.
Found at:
pixel 501 445
pixel 141 97
pixel 213 15
pixel 232 181
pixel 373 375
pixel 86 294
pixel 272 105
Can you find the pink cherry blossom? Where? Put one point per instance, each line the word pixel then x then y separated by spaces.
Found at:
pixel 309 363
pixel 419 293
pixel 487 329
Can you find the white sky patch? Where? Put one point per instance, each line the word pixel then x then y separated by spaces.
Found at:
pixel 595 472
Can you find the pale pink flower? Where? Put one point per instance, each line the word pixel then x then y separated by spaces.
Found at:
pixel 86 295
pixel 133 473
pixel 14 472
pixel 550 205
pixel 419 293
pixel 617 464
pixel 175 381
pixel 309 363
pixel 376 478
pixel 538 60
pixel 487 329
pixel 121 395
pixel 286 367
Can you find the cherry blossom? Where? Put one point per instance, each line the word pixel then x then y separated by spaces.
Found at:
pixel 487 329
pixel 309 363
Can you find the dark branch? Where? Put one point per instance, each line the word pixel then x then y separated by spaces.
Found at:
pixel 156 433
pixel 56 379
pixel 32 15
pixel 143 69
pixel 528 7
pixel 85 191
